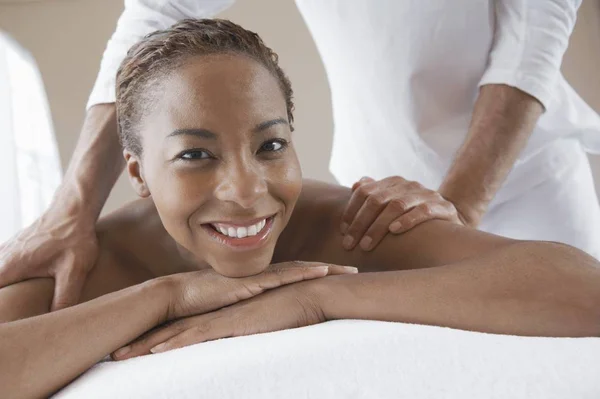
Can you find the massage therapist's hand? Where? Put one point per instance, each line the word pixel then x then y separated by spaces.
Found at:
pixel 391 205
pixel 227 307
pixel 61 244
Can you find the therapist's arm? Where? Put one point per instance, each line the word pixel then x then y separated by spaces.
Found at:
pixel 530 39
pixel 502 122
pixel 62 243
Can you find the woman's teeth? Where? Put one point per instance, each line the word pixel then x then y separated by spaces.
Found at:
pixel 240 232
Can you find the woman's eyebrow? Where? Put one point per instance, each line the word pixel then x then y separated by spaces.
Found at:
pixel 206 134
pixel 265 125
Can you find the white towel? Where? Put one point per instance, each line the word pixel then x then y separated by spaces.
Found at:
pixel 356 359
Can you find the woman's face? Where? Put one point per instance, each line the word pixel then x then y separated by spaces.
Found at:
pixel 219 163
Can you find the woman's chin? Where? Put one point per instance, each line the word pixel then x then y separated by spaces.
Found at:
pixel 237 268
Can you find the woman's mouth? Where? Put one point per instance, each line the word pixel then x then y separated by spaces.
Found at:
pixel 242 236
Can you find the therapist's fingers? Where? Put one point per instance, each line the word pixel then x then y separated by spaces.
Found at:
pixel 380 227
pixel 420 214
pixel 363 180
pixel 360 191
pixel 68 288
pixel 369 213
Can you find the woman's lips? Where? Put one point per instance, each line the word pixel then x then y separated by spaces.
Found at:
pixel 237 243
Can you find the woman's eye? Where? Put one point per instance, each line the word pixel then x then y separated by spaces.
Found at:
pixel 273 145
pixel 194 154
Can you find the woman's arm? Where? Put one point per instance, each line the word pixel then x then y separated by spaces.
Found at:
pixel 526 288
pixel 42 354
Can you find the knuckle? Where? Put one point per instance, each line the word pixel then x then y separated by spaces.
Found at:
pixel 376 200
pixel 295 264
pixel 413 185
pixel 426 210
pixel 438 197
pixel 398 205
pixel 397 180
pixel 363 191
pixel 202 328
pixel 177 327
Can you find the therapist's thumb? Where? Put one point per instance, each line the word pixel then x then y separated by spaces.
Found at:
pixel 67 289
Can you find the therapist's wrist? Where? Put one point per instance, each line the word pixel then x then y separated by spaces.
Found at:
pixel 469 212
pixel 71 201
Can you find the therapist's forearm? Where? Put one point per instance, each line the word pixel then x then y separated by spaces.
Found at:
pixel 41 354
pixel 95 165
pixel 502 122
pixel 526 288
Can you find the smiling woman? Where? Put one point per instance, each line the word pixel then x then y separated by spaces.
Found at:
pixel 205 116
pixel 245 163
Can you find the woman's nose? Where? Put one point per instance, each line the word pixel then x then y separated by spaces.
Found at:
pixel 243 184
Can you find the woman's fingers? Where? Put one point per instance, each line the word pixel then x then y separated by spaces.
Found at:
pixel 208 291
pixel 336 269
pixel 283 274
pixel 291 272
pixel 142 345
pixel 184 332
pixel 202 331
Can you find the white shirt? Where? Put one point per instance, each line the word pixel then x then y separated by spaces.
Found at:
pixel 404 75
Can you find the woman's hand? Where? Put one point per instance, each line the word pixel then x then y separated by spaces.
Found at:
pixel 391 205
pixel 206 290
pixel 287 307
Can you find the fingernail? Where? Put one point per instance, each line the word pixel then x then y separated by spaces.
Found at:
pixel 365 243
pixel 323 269
pixel 350 269
pixel 396 226
pixel 158 348
pixel 344 228
pixel 123 351
pixel 347 243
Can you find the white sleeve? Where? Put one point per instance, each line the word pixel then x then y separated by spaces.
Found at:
pixel 139 18
pixel 530 39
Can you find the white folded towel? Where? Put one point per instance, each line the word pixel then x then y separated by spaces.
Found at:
pixel 356 359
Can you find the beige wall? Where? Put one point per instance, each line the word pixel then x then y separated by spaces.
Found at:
pixel 581 65
pixel 67 38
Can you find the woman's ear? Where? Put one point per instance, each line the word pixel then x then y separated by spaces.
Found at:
pixel 136 176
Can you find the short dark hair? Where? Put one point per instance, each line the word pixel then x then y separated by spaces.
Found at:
pixel 162 51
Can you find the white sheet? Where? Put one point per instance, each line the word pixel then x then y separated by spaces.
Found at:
pixel 356 359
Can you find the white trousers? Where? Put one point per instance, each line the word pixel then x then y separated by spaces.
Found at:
pixel 560 203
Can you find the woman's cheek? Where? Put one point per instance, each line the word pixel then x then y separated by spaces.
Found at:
pixel 178 196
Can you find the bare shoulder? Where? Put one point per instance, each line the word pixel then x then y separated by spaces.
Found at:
pixel 125 238
pixel 313 234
